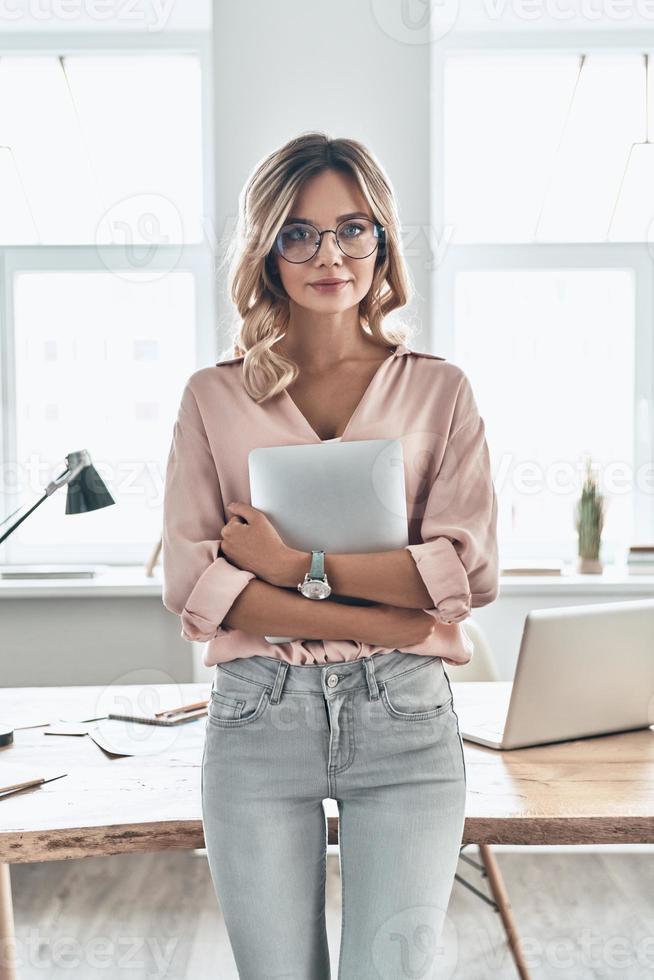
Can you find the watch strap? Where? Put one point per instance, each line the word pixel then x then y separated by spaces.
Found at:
pixel 317 569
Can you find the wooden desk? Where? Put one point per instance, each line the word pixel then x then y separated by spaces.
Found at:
pixel 597 790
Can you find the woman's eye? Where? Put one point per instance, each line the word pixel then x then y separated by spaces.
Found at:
pixel 297 234
pixel 352 231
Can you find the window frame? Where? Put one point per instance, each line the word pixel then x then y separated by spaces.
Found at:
pixel 197 259
pixel 635 256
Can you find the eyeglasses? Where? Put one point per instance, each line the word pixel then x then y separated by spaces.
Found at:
pixel 357 238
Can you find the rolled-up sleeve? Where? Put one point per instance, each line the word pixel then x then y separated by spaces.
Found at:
pixel 458 557
pixel 199 584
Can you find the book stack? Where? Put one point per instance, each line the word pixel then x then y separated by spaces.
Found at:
pixel 640 559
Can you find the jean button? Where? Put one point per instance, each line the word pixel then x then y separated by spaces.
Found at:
pixel 332 680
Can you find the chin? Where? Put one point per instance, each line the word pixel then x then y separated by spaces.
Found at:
pixel 330 307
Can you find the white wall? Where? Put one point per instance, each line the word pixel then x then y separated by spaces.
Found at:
pixel 61 640
pixel 287 67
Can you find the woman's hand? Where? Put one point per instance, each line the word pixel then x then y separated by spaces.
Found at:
pixel 253 543
pixel 396 626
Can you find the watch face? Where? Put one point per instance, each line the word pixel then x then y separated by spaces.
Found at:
pixel 316 590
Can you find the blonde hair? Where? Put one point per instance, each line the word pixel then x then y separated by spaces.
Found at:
pixel 261 302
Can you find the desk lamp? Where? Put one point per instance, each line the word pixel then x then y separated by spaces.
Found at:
pixel 86 492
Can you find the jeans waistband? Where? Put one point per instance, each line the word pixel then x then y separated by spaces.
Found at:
pixel 279 675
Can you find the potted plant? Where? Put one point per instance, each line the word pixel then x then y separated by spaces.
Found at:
pixel 589 521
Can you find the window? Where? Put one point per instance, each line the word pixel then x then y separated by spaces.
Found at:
pixel 561 344
pixel 84 135
pixel 544 285
pixel 106 279
pixel 536 146
pixel 96 358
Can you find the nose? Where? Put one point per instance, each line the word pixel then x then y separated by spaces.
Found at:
pixel 328 247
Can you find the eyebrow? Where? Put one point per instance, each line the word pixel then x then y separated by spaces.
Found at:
pixel 341 217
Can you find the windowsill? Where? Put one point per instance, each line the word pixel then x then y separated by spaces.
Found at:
pixel 614 578
pixel 118 581
pixel 114 581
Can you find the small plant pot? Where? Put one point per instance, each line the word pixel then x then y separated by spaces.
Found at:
pixel 590 566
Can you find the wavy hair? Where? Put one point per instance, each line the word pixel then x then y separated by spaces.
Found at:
pixel 255 287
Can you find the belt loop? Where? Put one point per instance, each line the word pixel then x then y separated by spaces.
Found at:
pixel 370 677
pixel 280 677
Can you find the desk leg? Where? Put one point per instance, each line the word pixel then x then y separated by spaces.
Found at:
pixel 7 935
pixel 500 894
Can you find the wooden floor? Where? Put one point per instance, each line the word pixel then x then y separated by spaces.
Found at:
pixel 155 916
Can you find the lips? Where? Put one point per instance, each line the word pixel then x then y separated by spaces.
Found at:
pixel 331 286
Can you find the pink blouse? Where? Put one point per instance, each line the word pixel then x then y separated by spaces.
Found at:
pixel 420 398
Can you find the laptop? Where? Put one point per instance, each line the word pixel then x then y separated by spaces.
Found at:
pixel 343 497
pixel 582 670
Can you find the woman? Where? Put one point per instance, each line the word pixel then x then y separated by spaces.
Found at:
pixel 360 710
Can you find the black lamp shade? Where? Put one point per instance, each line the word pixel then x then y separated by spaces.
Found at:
pixel 87 491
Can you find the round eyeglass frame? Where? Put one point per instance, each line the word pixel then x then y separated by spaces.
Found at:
pixel 381 239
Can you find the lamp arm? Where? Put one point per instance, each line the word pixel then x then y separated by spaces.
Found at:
pixel 20 520
pixel 59 481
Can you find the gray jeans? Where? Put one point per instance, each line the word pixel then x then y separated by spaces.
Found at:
pixel 378 735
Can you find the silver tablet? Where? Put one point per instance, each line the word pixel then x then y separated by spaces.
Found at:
pixel 343 497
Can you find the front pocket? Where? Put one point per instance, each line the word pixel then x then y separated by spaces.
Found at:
pixel 235 700
pixel 418 694
pixel 224 707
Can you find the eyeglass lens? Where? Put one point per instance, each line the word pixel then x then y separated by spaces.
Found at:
pixel 298 242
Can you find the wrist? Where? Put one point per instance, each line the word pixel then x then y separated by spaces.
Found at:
pixel 293 567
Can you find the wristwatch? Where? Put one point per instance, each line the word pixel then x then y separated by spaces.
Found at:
pixel 315 584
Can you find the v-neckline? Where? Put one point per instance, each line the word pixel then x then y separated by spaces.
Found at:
pixel 398 349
